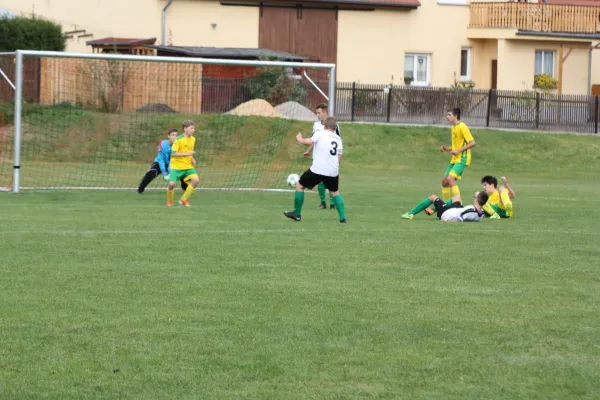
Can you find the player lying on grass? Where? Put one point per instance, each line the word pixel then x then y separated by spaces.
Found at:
pixel 322 114
pixel 499 204
pixel 462 143
pixel 452 210
pixel 182 164
pixel 325 168
pixel 161 163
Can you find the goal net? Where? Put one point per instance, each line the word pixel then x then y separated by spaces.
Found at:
pixel 96 121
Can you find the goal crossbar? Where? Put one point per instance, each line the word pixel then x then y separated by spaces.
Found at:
pixel 18 83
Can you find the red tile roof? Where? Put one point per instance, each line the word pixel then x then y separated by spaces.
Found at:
pixel 112 41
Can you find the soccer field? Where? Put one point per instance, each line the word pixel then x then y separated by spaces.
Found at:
pixel 108 294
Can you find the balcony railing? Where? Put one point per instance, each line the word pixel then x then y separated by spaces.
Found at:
pixel 535 17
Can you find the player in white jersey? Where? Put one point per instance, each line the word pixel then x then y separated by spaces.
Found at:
pixel 452 210
pixel 324 169
pixel 322 114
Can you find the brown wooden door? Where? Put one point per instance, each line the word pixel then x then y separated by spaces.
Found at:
pixel 311 33
pixel 494 84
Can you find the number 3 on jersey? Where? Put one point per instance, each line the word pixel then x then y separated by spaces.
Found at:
pixel 333 150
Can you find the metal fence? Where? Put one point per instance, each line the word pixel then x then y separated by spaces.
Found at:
pixel 483 108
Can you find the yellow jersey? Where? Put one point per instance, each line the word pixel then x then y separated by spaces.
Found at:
pixel 461 135
pixel 494 198
pixel 182 145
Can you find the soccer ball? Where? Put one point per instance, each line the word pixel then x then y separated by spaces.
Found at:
pixel 292 180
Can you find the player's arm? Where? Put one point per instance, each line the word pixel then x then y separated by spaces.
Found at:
pixel 305 141
pixel 511 192
pixel 163 161
pixel 307 152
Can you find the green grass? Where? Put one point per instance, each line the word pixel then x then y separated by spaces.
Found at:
pixel 228 299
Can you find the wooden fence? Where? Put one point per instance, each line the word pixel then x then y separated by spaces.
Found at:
pixel 535 17
pixel 121 85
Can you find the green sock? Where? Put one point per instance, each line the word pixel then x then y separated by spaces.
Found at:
pixel 339 206
pixel 298 202
pixel 321 189
pixel 421 206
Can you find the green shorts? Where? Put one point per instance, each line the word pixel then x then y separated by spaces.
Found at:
pixel 185 174
pixel 456 169
pixel 501 211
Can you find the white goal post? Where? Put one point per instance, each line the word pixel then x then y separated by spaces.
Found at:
pixel 21 55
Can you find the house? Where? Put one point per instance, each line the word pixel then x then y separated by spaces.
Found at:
pixel 495 44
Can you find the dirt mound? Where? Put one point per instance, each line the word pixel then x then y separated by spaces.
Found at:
pixel 296 111
pixel 155 108
pixel 256 107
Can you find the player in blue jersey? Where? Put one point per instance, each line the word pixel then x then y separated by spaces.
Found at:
pixel 160 166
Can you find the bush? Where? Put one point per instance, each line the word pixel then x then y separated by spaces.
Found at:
pixel 30 33
pixel 274 85
pixel 544 81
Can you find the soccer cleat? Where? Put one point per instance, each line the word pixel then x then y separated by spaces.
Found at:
pixel 332 206
pixel 495 216
pixel 140 191
pixel 169 203
pixel 344 221
pixel 184 203
pixel 323 206
pixel 291 215
pixel 429 211
pixel 407 216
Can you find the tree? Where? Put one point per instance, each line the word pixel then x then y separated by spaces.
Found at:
pixel 30 33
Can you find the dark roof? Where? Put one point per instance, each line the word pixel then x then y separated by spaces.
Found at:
pixel 226 52
pixel 112 41
pixel 363 3
pixel 567 35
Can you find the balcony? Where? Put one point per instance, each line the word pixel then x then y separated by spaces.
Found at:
pixel 552 18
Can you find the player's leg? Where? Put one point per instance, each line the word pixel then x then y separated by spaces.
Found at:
pixel 176 175
pixel 321 189
pixel 192 177
pixel 445 184
pixel 455 175
pixel 423 205
pixel 152 173
pixel 331 202
pixel 308 180
pixel 505 201
pixel 184 183
pixel 332 184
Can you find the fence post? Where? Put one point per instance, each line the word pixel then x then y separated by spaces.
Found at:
pixel 596 111
pixel 489 109
pixel 537 110
pixel 352 102
pixel 389 103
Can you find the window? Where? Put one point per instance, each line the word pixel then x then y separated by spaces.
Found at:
pixel 544 62
pixel 465 64
pixel 417 69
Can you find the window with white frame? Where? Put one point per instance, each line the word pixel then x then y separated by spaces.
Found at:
pixel 465 64
pixel 417 69
pixel 544 62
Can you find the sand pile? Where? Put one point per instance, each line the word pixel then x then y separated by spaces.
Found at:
pixel 296 111
pixel 258 107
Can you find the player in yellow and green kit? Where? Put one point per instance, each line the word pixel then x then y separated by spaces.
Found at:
pixel 182 164
pixel 462 143
pixel 499 204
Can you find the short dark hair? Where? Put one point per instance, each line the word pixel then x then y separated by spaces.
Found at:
pixel 455 112
pixel 482 198
pixel 172 130
pixel 330 123
pixel 322 106
pixel 490 180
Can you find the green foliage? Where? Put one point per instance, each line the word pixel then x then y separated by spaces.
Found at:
pixel 544 81
pixel 30 33
pixel 275 85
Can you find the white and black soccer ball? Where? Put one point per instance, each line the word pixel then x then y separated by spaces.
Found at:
pixel 292 180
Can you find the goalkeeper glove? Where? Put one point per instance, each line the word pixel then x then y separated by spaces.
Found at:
pixel 166 177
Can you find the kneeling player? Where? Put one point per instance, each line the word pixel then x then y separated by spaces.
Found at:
pixel 499 204
pixel 325 168
pixel 452 210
